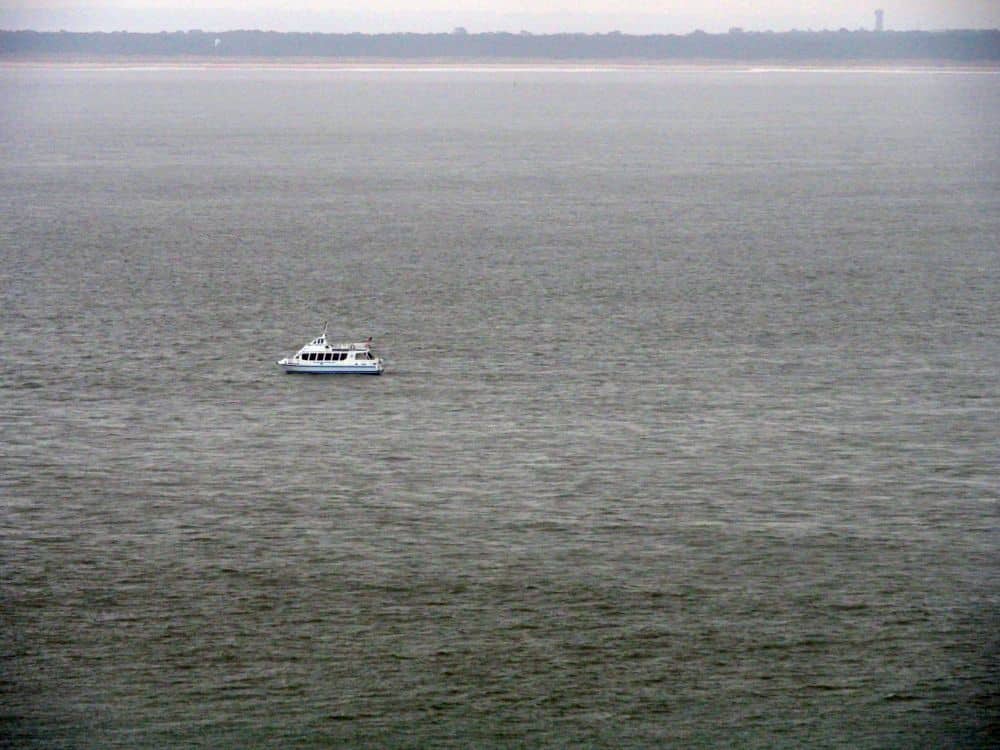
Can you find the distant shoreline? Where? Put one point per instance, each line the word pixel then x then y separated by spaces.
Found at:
pixel 837 48
pixel 195 62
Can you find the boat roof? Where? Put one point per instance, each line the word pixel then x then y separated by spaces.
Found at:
pixel 322 343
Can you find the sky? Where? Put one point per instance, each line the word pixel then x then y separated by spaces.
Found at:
pixel 537 16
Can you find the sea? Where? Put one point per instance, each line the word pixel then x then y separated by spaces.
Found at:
pixel 688 437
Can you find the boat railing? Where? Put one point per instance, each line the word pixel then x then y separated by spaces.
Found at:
pixel 347 346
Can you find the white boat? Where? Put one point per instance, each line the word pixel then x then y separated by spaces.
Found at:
pixel 324 357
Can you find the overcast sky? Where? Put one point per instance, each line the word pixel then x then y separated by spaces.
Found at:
pixel 539 16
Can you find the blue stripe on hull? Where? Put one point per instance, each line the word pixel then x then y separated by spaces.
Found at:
pixel 331 371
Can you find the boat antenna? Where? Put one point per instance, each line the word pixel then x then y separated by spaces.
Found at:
pixel 325 324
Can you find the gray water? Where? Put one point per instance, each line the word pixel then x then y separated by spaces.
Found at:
pixel 688 434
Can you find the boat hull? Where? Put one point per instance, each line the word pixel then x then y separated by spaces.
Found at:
pixel 331 369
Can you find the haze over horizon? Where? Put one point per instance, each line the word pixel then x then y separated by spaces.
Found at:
pixel 543 16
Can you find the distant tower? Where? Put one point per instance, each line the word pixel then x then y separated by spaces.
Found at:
pixel 878 19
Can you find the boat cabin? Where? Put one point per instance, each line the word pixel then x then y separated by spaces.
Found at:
pixel 334 356
pixel 320 350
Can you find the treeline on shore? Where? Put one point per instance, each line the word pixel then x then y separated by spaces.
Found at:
pixel 958 46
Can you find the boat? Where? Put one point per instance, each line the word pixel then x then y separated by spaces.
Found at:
pixel 324 357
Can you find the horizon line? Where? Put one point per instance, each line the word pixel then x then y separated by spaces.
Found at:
pixel 462 31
